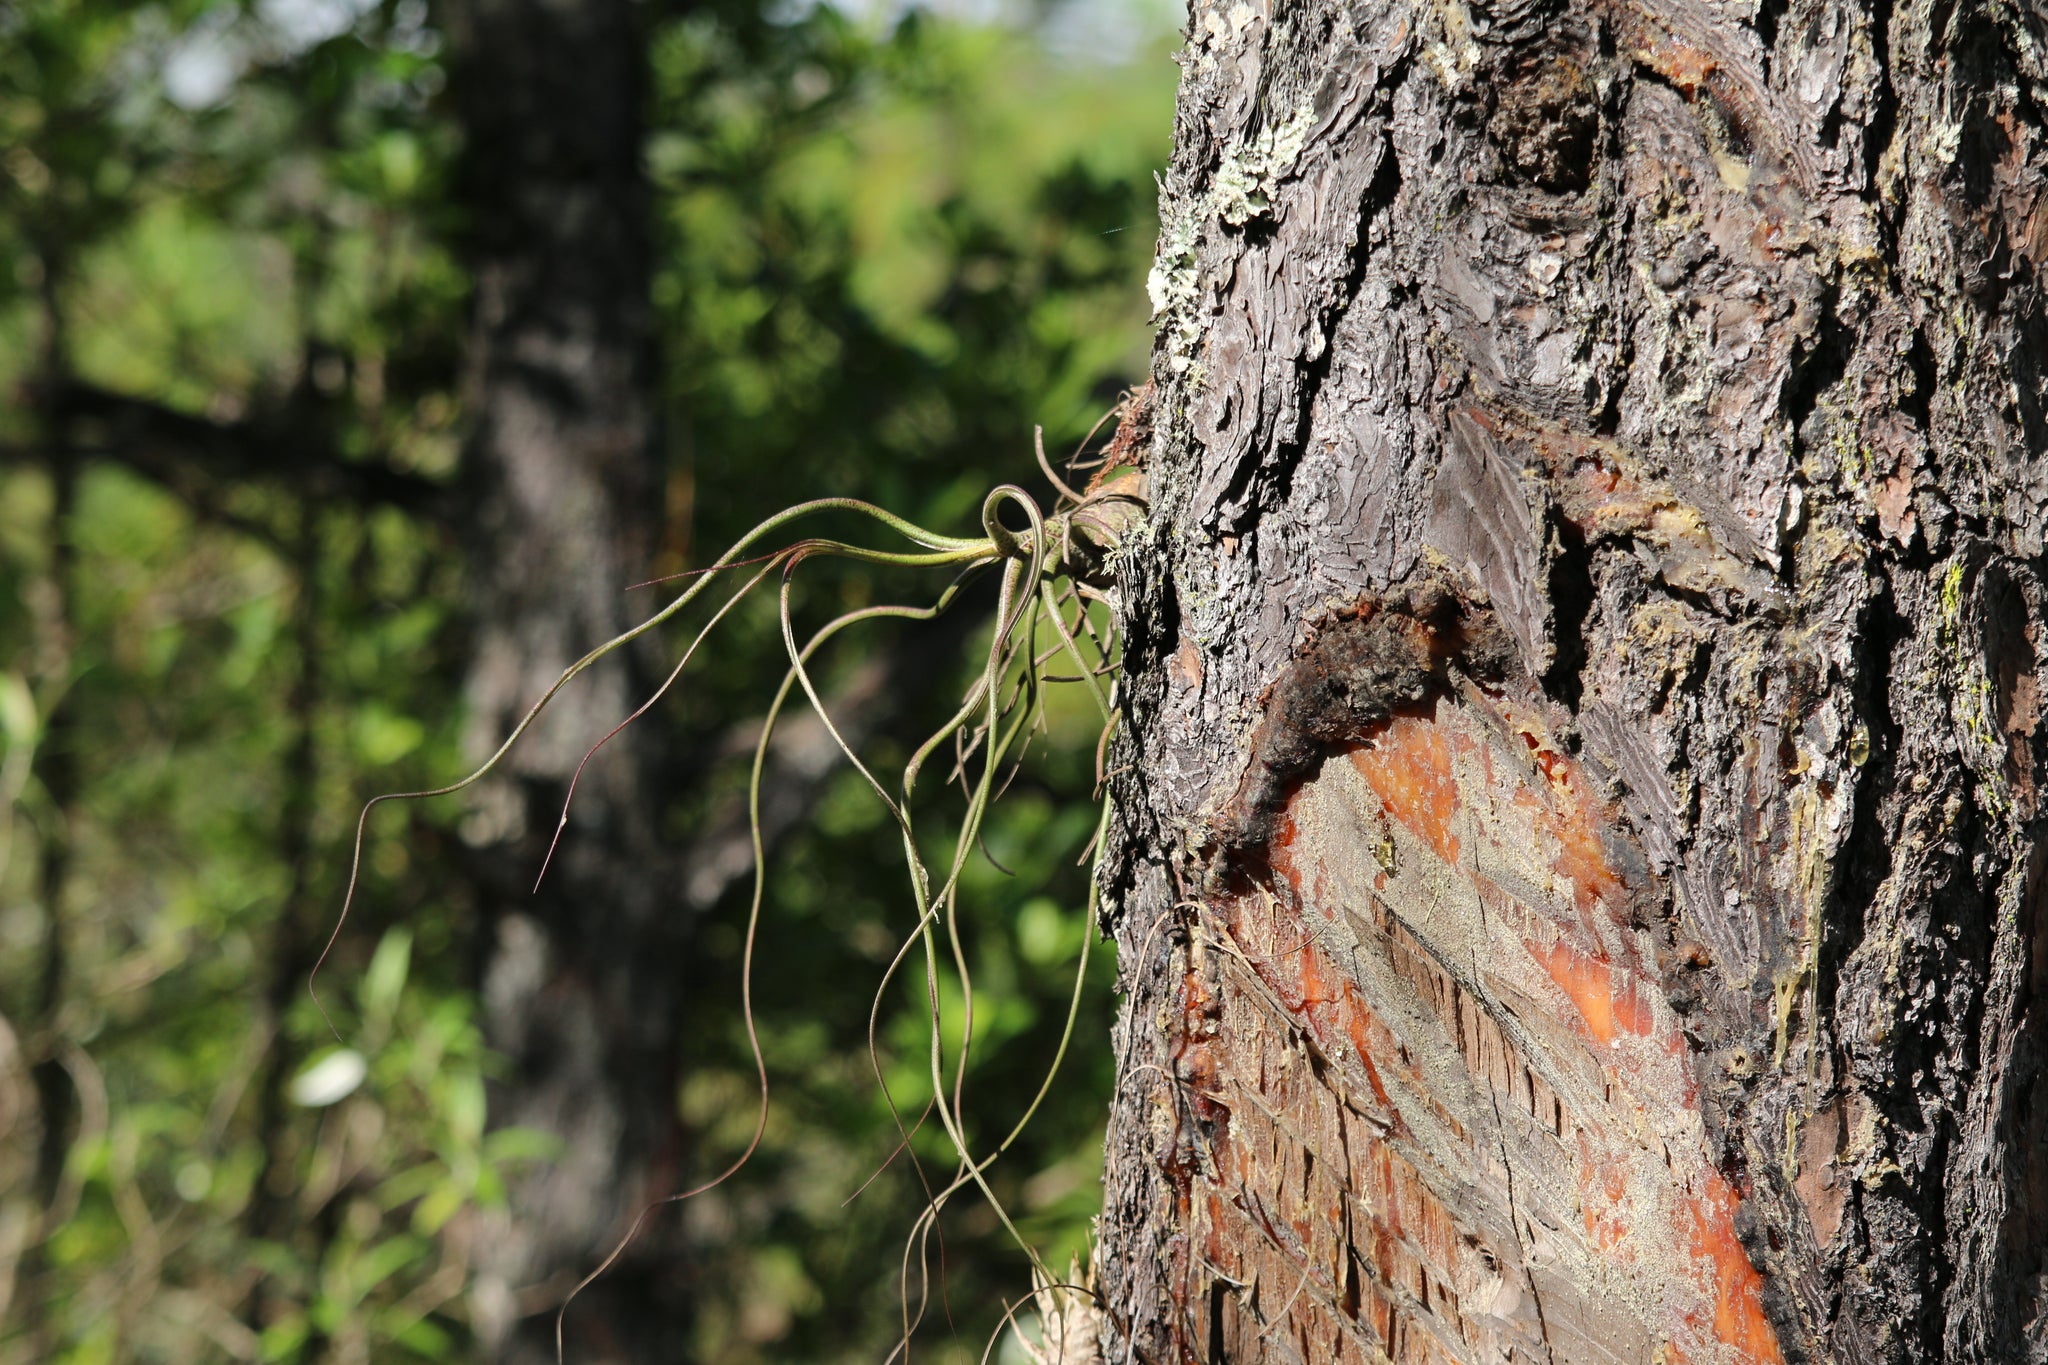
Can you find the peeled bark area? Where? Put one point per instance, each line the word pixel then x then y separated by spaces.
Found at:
pixel 1577 860
pixel 1439 1039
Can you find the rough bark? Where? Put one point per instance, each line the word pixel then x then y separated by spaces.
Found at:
pixel 1578 861
pixel 579 980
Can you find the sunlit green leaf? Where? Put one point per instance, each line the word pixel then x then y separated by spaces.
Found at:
pixel 384 978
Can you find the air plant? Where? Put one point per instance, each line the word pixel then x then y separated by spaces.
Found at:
pixel 1049 571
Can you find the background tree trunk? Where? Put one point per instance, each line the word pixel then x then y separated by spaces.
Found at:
pixel 580 981
pixel 1578 868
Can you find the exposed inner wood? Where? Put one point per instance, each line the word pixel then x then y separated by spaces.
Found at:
pixel 1446 1113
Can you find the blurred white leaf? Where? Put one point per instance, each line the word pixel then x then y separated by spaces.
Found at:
pixel 331 1079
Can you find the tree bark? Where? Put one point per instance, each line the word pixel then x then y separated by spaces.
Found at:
pixel 579 980
pixel 1578 860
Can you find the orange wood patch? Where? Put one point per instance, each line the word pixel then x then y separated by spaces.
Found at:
pixel 1739 1319
pixel 1409 766
pixel 1607 1001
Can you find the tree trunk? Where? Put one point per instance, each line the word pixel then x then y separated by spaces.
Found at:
pixel 580 981
pixel 1578 861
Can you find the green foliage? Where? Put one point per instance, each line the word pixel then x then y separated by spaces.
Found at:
pixel 876 281
pixel 884 256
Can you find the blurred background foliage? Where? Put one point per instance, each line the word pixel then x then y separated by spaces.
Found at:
pixel 234 321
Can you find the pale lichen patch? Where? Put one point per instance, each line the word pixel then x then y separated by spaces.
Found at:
pixel 1241 192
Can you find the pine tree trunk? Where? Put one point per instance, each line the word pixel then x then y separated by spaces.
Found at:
pixel 1578 862
pixel 580 979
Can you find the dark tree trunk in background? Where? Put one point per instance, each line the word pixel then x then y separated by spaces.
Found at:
pixel 579 981
pixel 1579 878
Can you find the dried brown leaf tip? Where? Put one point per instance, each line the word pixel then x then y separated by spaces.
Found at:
pixel 1125 457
